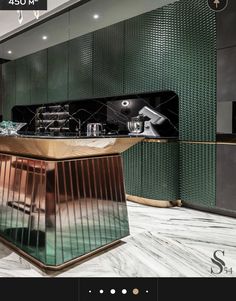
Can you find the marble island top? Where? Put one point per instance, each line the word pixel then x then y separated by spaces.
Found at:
pixel 57 149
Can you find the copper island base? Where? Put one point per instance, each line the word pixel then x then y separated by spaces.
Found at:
pixel 58 212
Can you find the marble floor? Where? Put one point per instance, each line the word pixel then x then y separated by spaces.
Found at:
pixel 164 242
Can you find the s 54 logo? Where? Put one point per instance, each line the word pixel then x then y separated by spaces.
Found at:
pixel 220 266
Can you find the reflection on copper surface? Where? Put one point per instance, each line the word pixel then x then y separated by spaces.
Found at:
pixel 58 211
pixel 55 148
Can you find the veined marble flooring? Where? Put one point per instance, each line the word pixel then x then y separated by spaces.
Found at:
pixel 164 242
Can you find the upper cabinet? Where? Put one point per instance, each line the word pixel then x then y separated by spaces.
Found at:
pixel 9 90
pixel 38 77
pixel 58 73
pixel 108 71
pixel 81 67
pixel 23 81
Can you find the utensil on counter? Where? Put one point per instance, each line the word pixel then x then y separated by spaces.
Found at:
pixel 94 129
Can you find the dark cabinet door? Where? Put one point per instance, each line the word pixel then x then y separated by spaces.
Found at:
pixel 23 81
pixel 226 74
pixel 108 76
pixel 9 92
pixel 226 33
pixel 58 73
pixel 81 67
pixel 226 175
pixel 38 77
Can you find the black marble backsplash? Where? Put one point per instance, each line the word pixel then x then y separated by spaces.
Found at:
pixel 112 112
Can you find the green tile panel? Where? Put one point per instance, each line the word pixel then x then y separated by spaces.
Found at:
pixel 151 170
pixel 160 171
pixel 108 61
pixel 132 170
pixel 58 73
pixel 81 67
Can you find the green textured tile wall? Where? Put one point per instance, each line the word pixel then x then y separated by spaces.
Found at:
pixel 38 77
pixel 189 63
pixel 22 81
pixel 58 73
pixel 198 173
pixel 174 48
pixel 108 61
pixel 151 170
pixel 160 170
pixel 81 67
pixel 132 160
pixel 144 45
pixel 9 92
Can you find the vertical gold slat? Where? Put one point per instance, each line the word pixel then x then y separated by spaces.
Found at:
pixel 59 209
pixel 73 204
pixel 114 184
pixel 100 193
pixel 91 200
pixel 3 174
pixel 79 202
pixel 111 196
pixel 39 195
pixel 103 171
pixel 67 206
pixel 85 201
pixel 25 197
pixel 18 199
pixel 96 196
pixel 8 189
pixel 31 217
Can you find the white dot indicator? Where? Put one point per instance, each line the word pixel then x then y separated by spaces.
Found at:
pixel 124 291
pixel 90 291
pixel 147 292
pixel 101 291
pixel 113 291
pixel 44 37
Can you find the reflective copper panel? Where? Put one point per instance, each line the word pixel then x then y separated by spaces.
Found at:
pixel 57 211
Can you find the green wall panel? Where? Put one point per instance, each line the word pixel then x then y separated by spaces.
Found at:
pixel 174 48
pixel 38 76
pixel 198 173
pixel 9 92
pixel 58 73
pixel 160 171
pixel 189 65
pixel 81 67
pixel 151 170
pixel 23 81
pixel 132 169
pixel 143 53
pixel 109 61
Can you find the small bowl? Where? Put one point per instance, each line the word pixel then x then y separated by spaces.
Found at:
pixel 135 126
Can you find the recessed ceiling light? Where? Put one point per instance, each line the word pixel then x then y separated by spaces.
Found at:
pixel 9 52
pixel 44 37
pixel 96 16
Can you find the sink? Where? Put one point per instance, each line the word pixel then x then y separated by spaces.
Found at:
pixel 65 148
